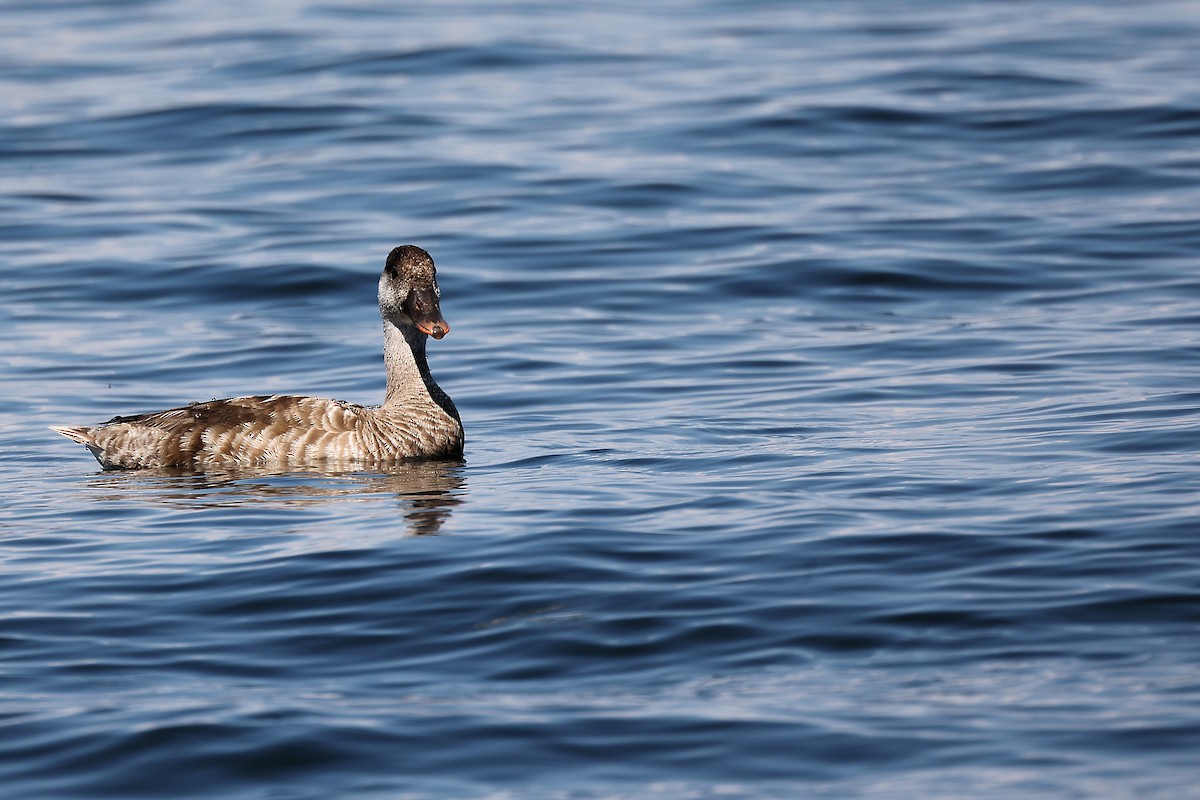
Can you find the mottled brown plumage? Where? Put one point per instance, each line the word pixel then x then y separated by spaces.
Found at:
pixel 416 420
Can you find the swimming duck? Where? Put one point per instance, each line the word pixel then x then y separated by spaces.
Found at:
pixel 416 420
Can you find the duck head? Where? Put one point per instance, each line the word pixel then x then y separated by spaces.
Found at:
pixel 408 291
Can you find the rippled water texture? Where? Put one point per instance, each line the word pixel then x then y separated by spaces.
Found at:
pixel 829 373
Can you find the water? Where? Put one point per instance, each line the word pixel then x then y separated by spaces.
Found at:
pixel 829 373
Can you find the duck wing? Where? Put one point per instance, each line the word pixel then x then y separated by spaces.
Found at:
pixel 238 430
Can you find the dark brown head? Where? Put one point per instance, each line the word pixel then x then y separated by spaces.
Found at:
pixel 408 291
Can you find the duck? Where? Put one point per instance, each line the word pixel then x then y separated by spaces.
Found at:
pixel 416 420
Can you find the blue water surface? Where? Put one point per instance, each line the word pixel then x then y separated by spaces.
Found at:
pixel 831 377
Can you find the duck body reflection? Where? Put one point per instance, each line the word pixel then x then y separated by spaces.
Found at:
pixel 426 492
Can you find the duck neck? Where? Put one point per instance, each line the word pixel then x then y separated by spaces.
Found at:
pixel 409 382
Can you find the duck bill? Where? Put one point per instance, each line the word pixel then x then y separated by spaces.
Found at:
pixel 423 309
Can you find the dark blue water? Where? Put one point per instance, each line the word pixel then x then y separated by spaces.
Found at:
pixel 831 376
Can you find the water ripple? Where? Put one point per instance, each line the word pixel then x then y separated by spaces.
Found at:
pixel 828 376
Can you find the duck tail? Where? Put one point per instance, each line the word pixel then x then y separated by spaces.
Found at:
pixel 76 433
